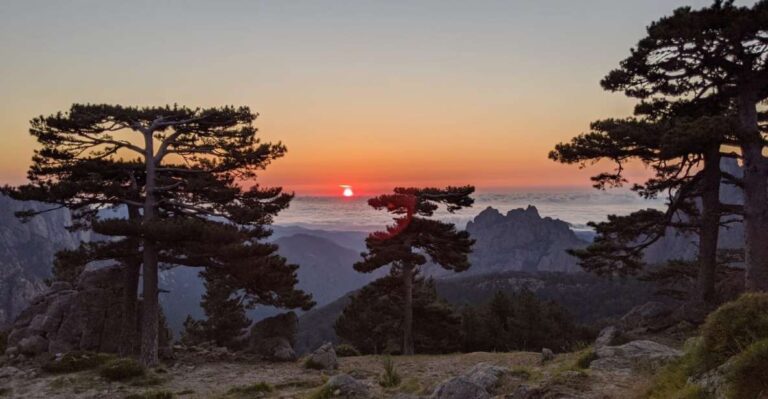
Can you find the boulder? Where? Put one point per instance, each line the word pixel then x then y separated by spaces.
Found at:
pixel 65 318
pixel 276 349
pixel 609 336
pixel 274 337
pixel 459 388
pixel 547 355
pixel 650 316
pixel 485 375
pixel 625 358
pixel 346 386
pixel 324 357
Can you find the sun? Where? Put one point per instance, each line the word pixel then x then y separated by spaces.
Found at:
pixel 347 191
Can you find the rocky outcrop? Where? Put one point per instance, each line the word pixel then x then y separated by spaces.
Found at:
pixel 521 240
pixel 274 337
pixel 26 253
pixel 324 358
pixel 347 387
pixel 479 382
pixel 632 355
pixel 65 318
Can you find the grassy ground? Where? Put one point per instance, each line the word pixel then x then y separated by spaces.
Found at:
pixel 420 374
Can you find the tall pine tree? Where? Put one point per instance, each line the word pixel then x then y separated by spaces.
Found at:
pixel 414 238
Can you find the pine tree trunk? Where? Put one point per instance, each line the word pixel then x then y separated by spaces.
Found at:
pixel 408 317
pixel 149 308
pixel 710 226
pixel 131 274
pixel 755 196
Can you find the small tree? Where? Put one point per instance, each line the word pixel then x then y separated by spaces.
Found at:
pixel 406 245
pixel 374 317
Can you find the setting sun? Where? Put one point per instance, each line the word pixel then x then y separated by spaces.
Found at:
pixel 347 191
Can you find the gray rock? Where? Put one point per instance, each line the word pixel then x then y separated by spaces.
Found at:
pixel 547 355
pixel 346 386
pixel 277 349
pixel 525 392
pixel 485 375
pixel 625 358
pixel 713 381
pixel 459 388
pixel 325 357
pixel 8 371
pixel 651 316
pixel 33 345
pixel 88 318
pixel 609 336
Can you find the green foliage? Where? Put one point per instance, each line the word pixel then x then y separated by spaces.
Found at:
pixel 586 357
pixel 122 369
pixel 372 320
pixel 671 382
pixel 311 364
pixel 151 395
pixel 76 361
pixel 390 378
pixel 225 314
pixel 324 392
pixel 733 327
pixel 250 391
pixel 346 350
pixel 747 374
pixel 519 322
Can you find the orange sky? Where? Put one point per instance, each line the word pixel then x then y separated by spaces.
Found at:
pixel 370 94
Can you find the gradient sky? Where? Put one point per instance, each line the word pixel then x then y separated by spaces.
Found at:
pixel 368 93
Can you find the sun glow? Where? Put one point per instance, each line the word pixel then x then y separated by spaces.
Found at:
pixel 347 191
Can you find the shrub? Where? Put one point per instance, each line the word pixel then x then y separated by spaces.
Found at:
pixel 346 350
pixel 671 382
pixel 390 378
pixel 250 390
pixel 151 395
pixel 733 327
pixel 586 357
pixel 122 369
pixel 311 364
pixel 325 392
pixel 76 361
pixel 747 375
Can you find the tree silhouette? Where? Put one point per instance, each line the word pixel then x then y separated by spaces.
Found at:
pixel 717 51
pixel 179 171
pixel 682 145
pixel 413 238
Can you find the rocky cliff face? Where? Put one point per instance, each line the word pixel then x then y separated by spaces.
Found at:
pixel 26 253
pixel 521 240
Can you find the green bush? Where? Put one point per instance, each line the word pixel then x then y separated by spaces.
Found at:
pixel 733 327
pixel 390 378
pixel 311 364
pixel 747 375
pixel 346 350
pixel 250 391
pixel 324 392
pixel 122 369
pixel 671 382
pixel 76 361
pixel 151 395
pixel 586 358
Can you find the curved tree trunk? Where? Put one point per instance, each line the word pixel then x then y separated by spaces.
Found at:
pixel 710 226
pixel 408 316
pixel 755 196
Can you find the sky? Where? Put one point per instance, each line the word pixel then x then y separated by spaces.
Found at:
pixel 372 94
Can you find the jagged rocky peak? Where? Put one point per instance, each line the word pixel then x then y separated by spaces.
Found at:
pixel 27 250
pixel 521 240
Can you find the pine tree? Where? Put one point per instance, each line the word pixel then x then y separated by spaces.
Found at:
pixel 682 145
pixel 714 52
pixel 406 245
pixel 182 170
pixel 373 320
